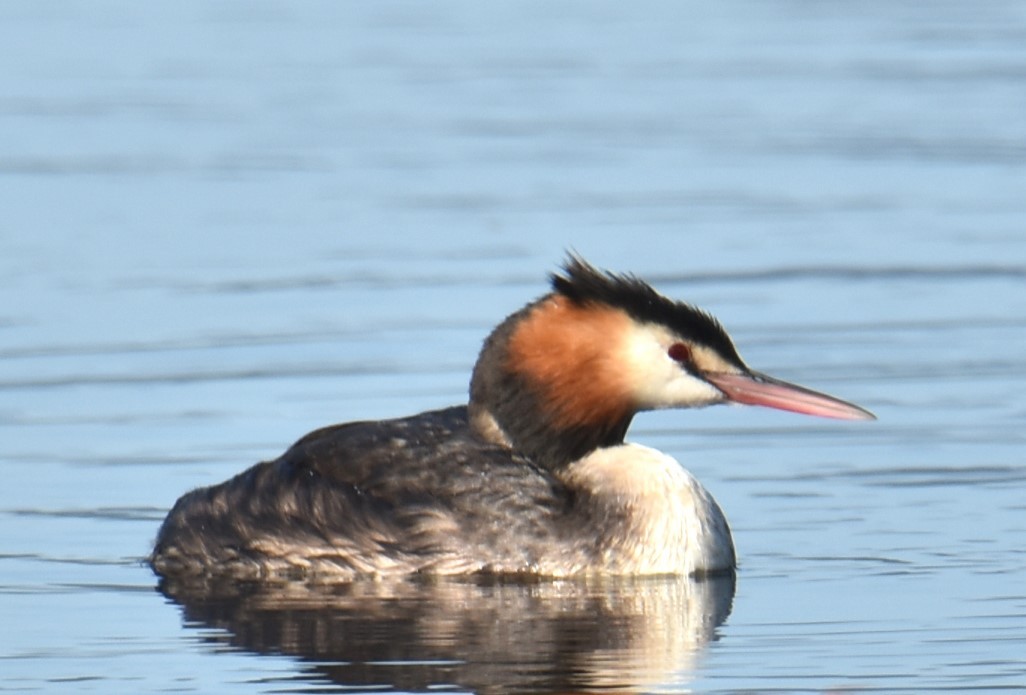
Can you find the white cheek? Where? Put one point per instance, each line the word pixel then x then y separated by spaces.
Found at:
pixel 684 391
pixel 656 380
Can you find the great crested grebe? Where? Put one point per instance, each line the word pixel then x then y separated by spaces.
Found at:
pixel 531 477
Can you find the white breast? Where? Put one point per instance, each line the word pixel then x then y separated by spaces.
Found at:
pixel 663 520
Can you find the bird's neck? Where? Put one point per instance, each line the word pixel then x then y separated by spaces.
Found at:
pixel 547 386
pixel 513 426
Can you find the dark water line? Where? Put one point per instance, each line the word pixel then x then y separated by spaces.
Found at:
pixel 290 372
pixel 835 273
pixel 853 273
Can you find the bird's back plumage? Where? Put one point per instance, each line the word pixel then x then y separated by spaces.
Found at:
pixel 414 494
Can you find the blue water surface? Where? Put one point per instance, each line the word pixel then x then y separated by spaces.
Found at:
pixel 226 224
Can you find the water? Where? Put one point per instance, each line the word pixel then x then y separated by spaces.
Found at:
pixel 225 225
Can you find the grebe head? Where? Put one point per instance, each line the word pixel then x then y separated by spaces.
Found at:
pixel 566 374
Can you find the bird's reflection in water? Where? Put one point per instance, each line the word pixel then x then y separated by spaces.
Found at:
pixel 486 636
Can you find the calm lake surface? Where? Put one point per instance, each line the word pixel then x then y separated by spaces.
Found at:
pixel 223 225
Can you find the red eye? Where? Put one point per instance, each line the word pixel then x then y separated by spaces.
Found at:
pixel 679 352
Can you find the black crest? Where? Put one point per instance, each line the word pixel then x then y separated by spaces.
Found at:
pixel 584 284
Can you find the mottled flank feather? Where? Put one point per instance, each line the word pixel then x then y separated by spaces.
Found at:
pixel 364 499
